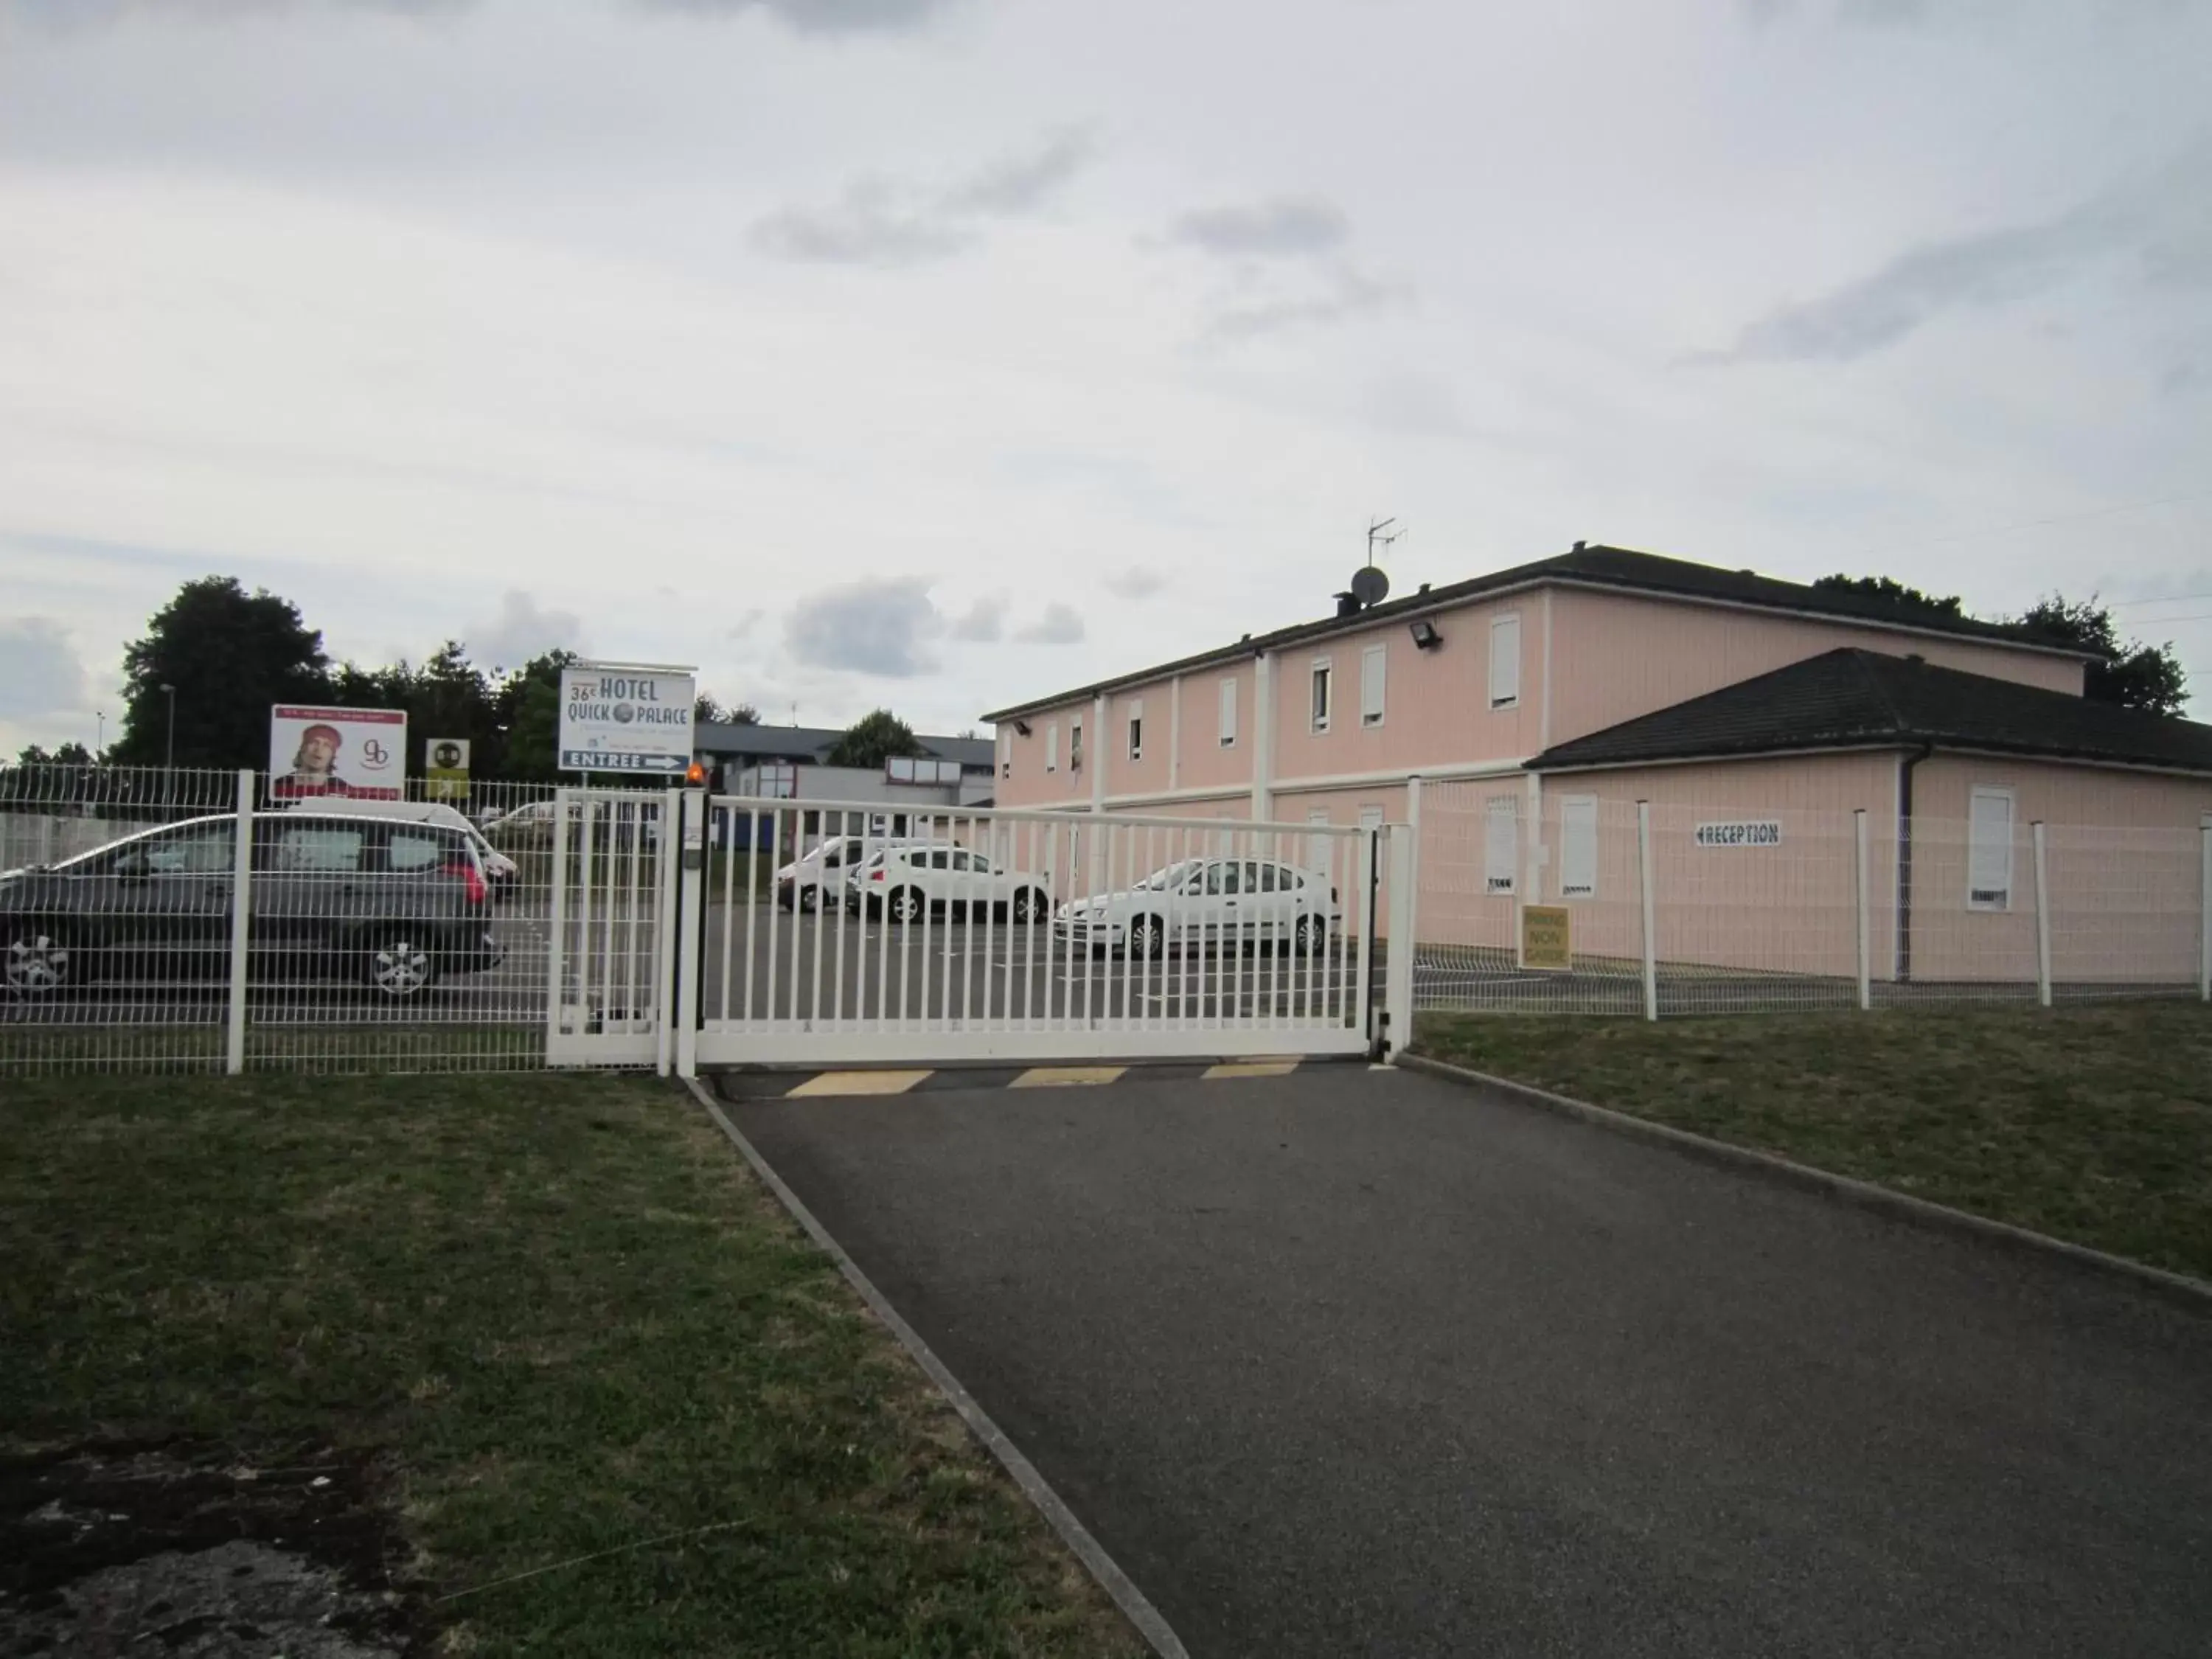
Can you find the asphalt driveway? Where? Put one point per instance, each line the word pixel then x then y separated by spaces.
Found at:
pixel 1357 1362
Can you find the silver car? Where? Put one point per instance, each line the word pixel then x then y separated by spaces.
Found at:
pixel 1200 903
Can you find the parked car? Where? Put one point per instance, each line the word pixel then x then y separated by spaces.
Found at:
pixel 800 884
pixel 500 871
pixel 907 883
pixel 1197 903
pixel 339 896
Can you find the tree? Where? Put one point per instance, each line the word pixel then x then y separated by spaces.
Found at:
pixel 709 712
pixel 1896 593
pixel 874 739
pixel 2131 674
pixel 229 655
pixel 526 710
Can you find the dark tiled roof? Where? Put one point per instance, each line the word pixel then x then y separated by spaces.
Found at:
pixel 974 753
pixel 1619 567
pixel 1851 699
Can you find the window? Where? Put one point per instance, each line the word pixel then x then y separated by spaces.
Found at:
pixel 1318 847
pixel 1578 847
pixel 1501 844
pixel 1006 755
pixel 319 848
pixel 1136 730
pixel 1052 747
pixel 1370 818
pixel 417 849
pixel 1374 663
pixel 1989 855
pixel 1323 673
pixel 1075 746
pixel 1506 661
pixel 1229 714
pixel 978 863
pixel 1222 878
pixel 204 851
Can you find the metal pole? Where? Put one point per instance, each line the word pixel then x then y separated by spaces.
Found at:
pixel 1650 929
pixel 1866 932
pixel 1398 954
pixel 241 905
pixel 2204 917
pixel 556 923
pixel 2042 921
pixel 691 910
pixel 169 762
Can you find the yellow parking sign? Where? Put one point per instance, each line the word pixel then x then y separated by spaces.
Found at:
pixel 1547 938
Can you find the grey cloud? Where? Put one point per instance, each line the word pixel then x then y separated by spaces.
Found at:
pixel 1137 582
pixel 39 673
pixel 1285 227
pixel 1061 624
pixel 523 630
pixel 1346 295
pixel 887 223
pixel 2164 226
pixel 879 627
pixel 820 17
pixel 985 620
pixel 806 16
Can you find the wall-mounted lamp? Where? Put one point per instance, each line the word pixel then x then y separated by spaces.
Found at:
pixel 1426 637
pixel 1023 727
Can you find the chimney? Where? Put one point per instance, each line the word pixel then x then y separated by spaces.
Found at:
pixel 1347 605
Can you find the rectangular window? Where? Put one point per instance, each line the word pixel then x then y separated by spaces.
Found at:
pixel 1506 661
pixel 1137 731
pixel 1323 673
pixel 1317 847
pixel 1229 714
pixel 1370 818
pixel 1578 847
pixel 1501 844
pixel 1373 665
pixel 1006 755
pixel 1989 854
pixel 1052 747
pixel 1075 746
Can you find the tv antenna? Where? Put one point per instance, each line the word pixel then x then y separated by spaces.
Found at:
pixel 1379 534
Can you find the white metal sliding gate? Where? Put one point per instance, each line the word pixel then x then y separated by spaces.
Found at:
pixel 610 992
pixel 943 936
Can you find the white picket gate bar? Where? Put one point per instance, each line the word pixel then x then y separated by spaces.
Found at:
pixel 946 935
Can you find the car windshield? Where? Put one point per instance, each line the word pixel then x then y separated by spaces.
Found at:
pixel 1173 876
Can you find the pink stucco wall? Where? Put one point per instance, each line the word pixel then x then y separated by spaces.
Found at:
pixel 1622 655
pixel 1030 784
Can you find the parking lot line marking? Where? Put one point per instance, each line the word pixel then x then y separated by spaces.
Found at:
pixel 858 1082
pixel 1065 1076
pixel 1251 1068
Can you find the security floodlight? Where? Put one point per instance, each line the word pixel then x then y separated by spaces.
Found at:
pixel 1426 637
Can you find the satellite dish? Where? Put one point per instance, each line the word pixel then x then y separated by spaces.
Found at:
pixel 1370 586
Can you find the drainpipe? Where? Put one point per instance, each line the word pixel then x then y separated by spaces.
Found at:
pixel 1904 860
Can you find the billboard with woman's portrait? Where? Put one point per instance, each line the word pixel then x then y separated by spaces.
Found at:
pixel 362 753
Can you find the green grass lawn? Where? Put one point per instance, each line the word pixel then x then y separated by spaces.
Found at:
pixel 556 1320
pixel 2091 1124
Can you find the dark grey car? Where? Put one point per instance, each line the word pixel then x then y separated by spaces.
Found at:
pixel 388 904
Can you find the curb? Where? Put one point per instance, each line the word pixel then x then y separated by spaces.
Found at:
pixel 1117 1585
pixel 1883 1200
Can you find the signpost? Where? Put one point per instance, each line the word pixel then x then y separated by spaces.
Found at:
pixel 1547 938
pixel 446 767
pixel 360 753
pixel 626 717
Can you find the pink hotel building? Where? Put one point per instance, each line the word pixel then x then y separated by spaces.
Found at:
pixel 1563 691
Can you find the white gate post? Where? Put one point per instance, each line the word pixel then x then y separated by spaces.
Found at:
pixel 1866 937
pixel 690 921
pixel 2042 919
pixel 1650 930
pixel 556 927
pixel 241 907
pixel 667 925
pixel 2204 916
pixel 1398 957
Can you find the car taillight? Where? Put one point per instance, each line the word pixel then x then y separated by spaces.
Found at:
pixel 875 875
pixel 466 871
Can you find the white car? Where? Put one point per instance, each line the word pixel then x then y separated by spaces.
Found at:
pixel 1198 903
pixel 908 882
pixel 500 871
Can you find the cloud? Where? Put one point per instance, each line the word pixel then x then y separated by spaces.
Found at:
pixel 1346 294
pixel 2164 225
pixel 1285 227
pixel 806 16
pixel 39 673
pixel 1137 582
pixel 985 622
pixel 879 627
pixel 887 222
pixel 820 17
pixel 1061 624
pixel 523 630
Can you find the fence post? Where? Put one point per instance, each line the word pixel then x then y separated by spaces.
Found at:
pixel 1398 957
pixel 241 907
pixel 556 923
pixel 2042 919
pixel 1650 939
pixel 1866 930
pixel 667 929
pixel 2204 914
pixel 694 880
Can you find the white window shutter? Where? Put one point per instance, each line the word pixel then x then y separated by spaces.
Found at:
pixel 1374 664
pixel 1578 847
pixel 1501 845
pixel 1505 661
pixel 1317 847
pixel 1227 712
pixel 1988 858
pixel 1052 747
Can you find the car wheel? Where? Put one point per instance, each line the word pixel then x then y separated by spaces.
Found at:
pixel 906 906
pixel 1148 937
pixel 1029 905
pixel 1307 936
pixel 400 967
pixel 38 961
pixel 807 898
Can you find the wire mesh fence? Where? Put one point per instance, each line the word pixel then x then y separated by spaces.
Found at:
pixel 1571 903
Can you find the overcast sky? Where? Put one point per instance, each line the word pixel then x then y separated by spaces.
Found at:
pixel 938 353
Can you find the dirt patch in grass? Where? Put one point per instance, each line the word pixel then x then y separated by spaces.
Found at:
pixel 2090 1124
